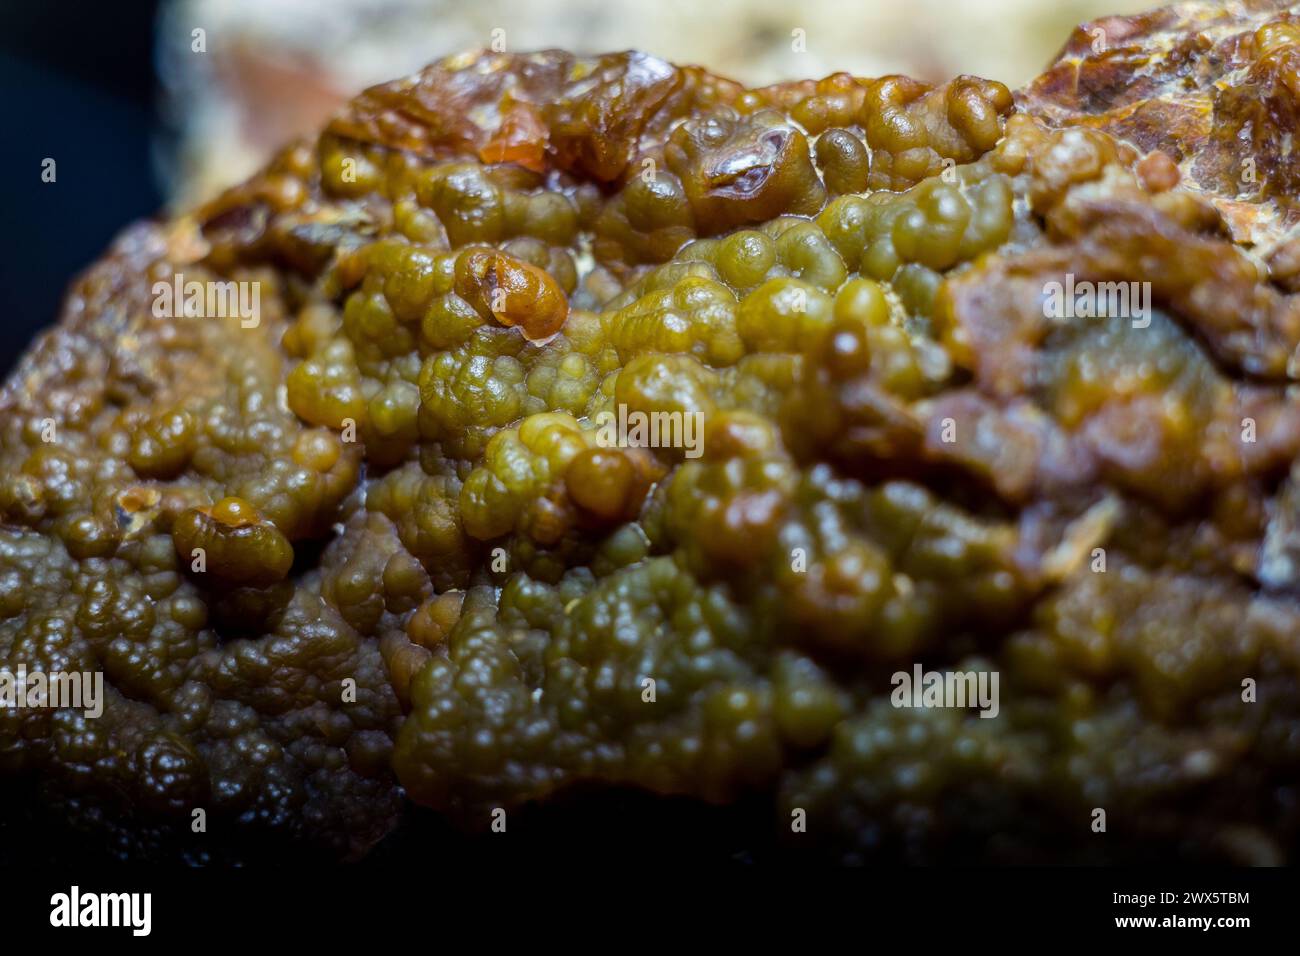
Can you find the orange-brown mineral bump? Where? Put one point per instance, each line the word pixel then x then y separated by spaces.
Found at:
pixel 603 424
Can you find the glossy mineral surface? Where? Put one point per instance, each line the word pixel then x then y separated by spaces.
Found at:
pixel 371 551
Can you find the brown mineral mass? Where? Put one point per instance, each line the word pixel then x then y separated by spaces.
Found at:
pixel 981 383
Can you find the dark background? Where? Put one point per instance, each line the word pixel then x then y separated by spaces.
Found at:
pixel 77 84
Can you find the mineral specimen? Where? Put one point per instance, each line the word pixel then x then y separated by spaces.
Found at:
pixel 371 550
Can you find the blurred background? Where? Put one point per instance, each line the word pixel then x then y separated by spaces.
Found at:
pixel 140 112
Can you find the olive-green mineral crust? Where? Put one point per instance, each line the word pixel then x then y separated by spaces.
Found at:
pixel 373 548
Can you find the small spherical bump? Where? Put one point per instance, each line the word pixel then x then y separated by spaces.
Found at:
pixel 317 450
pixel 235 543
pixel 848 349
pixel 326 389
pixel 1158 172
pixel 163 445
pixel 602 481
pixel 512 292
pixel 745 258
pixel 434 619
pixel 844 160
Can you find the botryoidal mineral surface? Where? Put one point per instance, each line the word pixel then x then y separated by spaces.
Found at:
pixel 987 382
